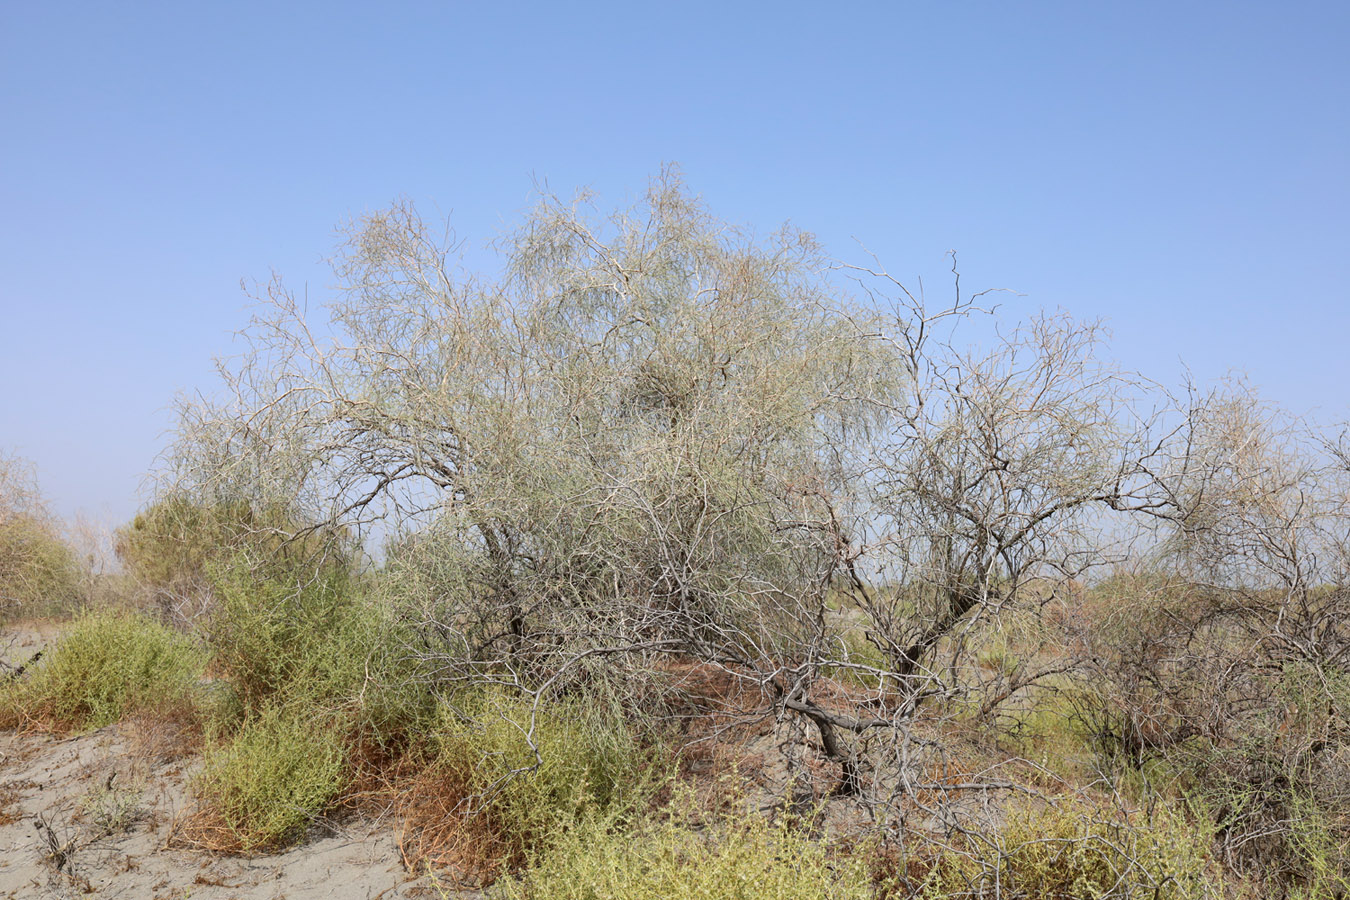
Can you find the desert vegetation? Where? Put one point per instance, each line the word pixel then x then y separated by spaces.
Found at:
pixel 669 560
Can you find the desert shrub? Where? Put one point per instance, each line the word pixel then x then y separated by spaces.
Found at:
pixel 39 571
pixel 262 787
pixel 746 859
pixel 1071 852
pixel 311 636
pixel 504 779
pixel 318 688
pixel 171 541
pixel 1278 789
pixel 281 633
pixel 108 665
pixel 178 547
pixel 1191 694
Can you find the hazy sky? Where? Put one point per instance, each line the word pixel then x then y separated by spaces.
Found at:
pixel 1180 169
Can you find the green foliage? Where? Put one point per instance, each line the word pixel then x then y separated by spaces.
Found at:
pixel 735 859
pixel 582 760
pixel 315 669
pixel 1071 852
pixel 39 572
pixel 311 637
pixel 107 665
pixel 265 785
pixel 178 547
pixel 1049 730
pixel 1321 850
pixel 278 632
pixel 172 541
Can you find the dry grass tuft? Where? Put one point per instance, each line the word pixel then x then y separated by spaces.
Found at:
pixel 442 827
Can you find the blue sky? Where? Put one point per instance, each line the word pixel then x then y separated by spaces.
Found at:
pixel 1179 169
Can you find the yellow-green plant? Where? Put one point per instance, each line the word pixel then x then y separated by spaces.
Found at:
pixel 39 572
pixel 307 636
pixel 508 777
pixel 733 858
pixel 1072 851
pixel 261 788
pixel 109 664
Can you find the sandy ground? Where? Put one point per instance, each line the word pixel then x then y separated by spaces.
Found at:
pixel 95 816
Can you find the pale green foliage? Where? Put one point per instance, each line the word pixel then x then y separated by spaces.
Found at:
pixel 635 435
pixel 533 774
pixel 107 665
pixel 656 452
pixel 745 859
pixel 268 782
pixel 39 572
pixel 1073 852
pixel 112 808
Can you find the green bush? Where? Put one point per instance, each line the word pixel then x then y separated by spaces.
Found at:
pixel 279 633
pixel 733 860
pixel 176 540
pixel 39 572
pixel 487 799
pixel 261 789
pixel 109 664
pixel 311 637
pixel 1070 852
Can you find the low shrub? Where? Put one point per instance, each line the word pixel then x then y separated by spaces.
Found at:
pixel 487 798
pixel 279 634
pixel 107 666
pixel 1070 852
pixel 262 788
pixel 745 859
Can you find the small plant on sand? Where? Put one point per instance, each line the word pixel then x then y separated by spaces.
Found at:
pixel 112 808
